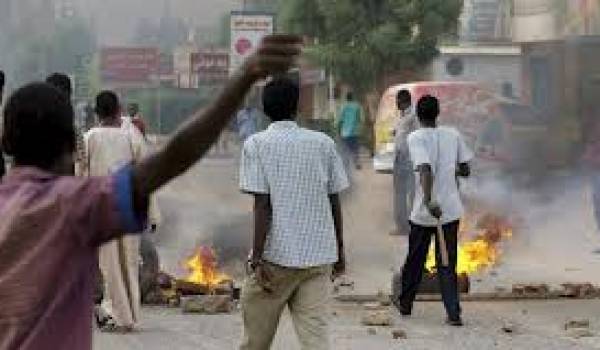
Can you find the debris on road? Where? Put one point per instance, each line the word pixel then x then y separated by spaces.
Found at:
pixel 579 290
pixel 531 290
pixel 583 323
pixel 345 282
pixel 373 306
pixel 579 333
pixel 399 334
pixel 382 318
pixel 509 327
pixel 207 304
pixel 578 328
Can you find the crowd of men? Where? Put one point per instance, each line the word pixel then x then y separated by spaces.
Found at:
pixel 57 228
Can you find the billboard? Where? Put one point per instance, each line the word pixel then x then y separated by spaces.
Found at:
pixel 211 65
pixel 129 64
pixel 247 30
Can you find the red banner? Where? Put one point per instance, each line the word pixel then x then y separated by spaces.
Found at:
pixel 129 65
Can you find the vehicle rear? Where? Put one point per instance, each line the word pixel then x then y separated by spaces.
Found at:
pixel 470 107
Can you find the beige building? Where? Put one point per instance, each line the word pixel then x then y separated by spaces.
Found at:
pixel 545 20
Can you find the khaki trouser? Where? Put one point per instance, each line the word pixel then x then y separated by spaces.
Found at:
pixel 119 265
pixel 304 291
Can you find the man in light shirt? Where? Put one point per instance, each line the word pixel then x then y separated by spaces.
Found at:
pixel 404 179
pixel 439 155
pixel 295 176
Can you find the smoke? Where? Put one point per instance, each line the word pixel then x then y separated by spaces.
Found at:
pixel 553 227
pixel 116 20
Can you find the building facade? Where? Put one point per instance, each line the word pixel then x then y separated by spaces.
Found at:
pixel 486 21
pixel 560 40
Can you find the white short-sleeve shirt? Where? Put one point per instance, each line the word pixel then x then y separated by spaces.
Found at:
pixel 443 148
pixel 299 169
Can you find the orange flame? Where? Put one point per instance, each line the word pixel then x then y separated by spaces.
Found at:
pixel 203 268
pixel 478 253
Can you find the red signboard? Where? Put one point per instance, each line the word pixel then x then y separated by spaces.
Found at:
pixel 129 65
pixel 211 65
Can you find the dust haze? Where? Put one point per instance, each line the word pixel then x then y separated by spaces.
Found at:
pixel 116 20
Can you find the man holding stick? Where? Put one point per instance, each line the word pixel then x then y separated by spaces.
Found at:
pixel 439 155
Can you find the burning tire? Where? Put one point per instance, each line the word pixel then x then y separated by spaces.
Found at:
pixel 429 285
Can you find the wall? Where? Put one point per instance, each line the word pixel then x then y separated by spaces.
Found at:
pixel 494 70
pixel 547 20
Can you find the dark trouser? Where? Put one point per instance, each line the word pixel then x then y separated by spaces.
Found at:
pixel 352 146
pixel 412 272
pixel 596 196
pixel 404 191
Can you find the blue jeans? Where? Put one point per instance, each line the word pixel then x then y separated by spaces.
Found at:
pixel 595 179
pixel 352 148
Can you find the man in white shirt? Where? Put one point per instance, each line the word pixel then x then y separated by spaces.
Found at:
pixel 439 155
pixel 108 147
pixel 295 176
pixel 404 180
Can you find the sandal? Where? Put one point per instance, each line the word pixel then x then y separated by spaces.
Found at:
pixel 111 327
pixel 101 317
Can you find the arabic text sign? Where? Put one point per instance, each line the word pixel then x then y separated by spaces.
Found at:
pixel 127 64
pixel 247 30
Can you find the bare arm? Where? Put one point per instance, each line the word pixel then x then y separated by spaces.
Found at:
pixel 336 210
pixel 263 214
pixel 426 177
pixel 276 54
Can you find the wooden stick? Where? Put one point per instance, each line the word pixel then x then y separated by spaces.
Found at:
pixel 443 246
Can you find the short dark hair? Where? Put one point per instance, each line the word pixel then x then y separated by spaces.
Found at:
pixel 404 96
pixel 280 99
pixel 350 96
pixel 62 82
pixel 38 126
pixel 107 104
pixel 428 108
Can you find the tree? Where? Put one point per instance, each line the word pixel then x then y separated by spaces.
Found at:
pixel 365 41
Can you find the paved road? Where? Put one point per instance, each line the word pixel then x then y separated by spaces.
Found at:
pixel 554 245
pixel 537 325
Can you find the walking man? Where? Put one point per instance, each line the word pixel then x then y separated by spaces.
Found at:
pixel 349 128
pixel 404 178
pixel 439 155
pixel 109 147
pixel 295 176
pixel 246 123
pixel 136 118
